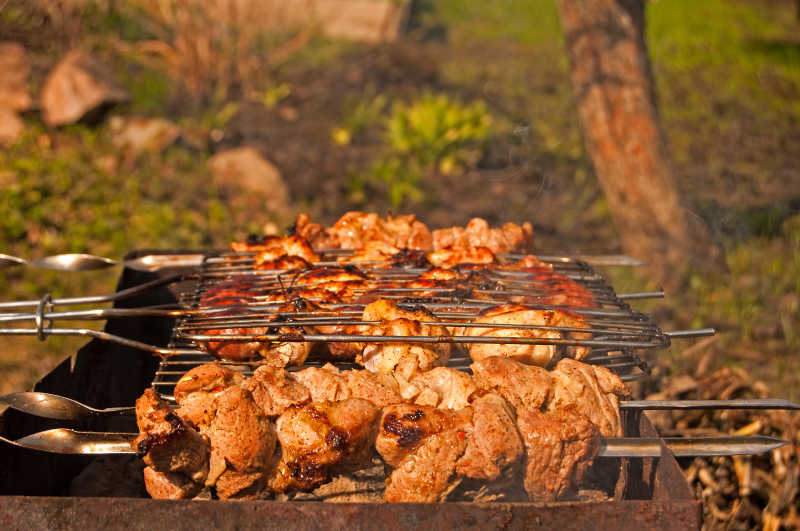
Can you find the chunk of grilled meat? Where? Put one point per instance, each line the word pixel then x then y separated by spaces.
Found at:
pixel 477 233
pixel 242 445
pixel 329 384
pixel 592 391
pixel 560 446
pixel 372 251
pixel 282 263
pixel 423 444
pixel 448 257
pixel 198 389
pixel 444 388
pixel 523 386
pixel 314 233
pixel 274 390
pixel 404 359
pixel 354 229
pixel 537 354
pixel 589 390
pixel 167 443
pixel 323 437
pixel 169 485
pixel 497 445
pixel 274 247
pixel 282 353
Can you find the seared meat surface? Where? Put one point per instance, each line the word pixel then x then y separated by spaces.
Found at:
pixel 523 386
pixel 167 443
pixel 560 446
pixel 274 390
pixel 198 389
pixel 355 229
pixel 477 233
pixel 509 314
pixel 322 437
pixel 329 384
pixel 444 388
pixel 402 358
pixel 242 444
pixel 423 444
pixel 592 391
pixel 448 257
pixel 496 444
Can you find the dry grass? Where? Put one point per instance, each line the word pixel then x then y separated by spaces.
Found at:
pixel 219 48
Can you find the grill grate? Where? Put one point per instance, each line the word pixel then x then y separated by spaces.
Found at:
pixel 616 330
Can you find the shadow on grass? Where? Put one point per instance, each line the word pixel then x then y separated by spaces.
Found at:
pixel 781 51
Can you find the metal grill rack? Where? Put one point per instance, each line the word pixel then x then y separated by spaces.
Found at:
pixel 616 330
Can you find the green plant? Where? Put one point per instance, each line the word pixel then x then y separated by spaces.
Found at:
pixel 363 114
pixel 433 133
pixel 437 132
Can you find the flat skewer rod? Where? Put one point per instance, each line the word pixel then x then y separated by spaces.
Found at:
pixel 67 441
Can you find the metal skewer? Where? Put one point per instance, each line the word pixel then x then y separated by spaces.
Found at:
pixel 67 441
pixel 89 262
pixel 51 406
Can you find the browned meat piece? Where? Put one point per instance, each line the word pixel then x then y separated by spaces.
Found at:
pixel 166 442
pixel 404 427
pixel 380 389
pixel 235 351
pixel 510 237
pixel 523 386
pixel 312 232
pixel 242 442
pixel 559 446
pixel 253 243
pixel 237 290
pixel 542 355
pixel 444 388
pixel 281 353
pixel 440 273
pixel 169 485
pixel 372 251
pixel 329 274
pixel 274 390
pixel 408 232
pixel 331 385
pixel 591 391
pixel 404 359
pixel 274 247
pixel 423 445
pixel 323 437
pixel 324 384
pixel 197 391
pixel 283 263
pixel 449 257
pixel 496 445
pixel 355 229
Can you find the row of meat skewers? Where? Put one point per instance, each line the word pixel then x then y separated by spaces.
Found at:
pixel 282 431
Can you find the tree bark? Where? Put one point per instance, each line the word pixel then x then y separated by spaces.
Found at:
pixel 614 90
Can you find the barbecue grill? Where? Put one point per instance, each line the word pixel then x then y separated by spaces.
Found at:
pixel 161 312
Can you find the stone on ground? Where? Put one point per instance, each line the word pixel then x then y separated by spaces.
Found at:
pixel 79 87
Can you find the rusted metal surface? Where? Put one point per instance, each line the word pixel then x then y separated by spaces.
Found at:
pixel 651 493
pixel 91 513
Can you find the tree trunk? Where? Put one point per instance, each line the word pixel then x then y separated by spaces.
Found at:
pixel 613 87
